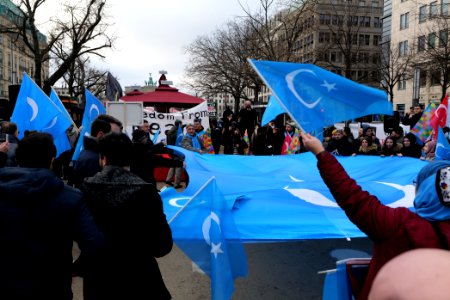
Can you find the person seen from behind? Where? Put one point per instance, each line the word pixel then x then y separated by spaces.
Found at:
pixel 130 213
pixel 40 218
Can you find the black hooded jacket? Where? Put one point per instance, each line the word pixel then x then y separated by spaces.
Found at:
pixel 39 219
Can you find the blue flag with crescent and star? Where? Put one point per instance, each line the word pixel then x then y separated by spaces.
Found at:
pixel 273 109
pixel 92 109
pixel 205 231
pixel 316 98
pixel 34 110
pixel 279 198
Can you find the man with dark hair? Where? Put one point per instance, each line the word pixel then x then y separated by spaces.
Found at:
pixel 130 213
pixel 88 162
pixel 247 118
pixel 40 217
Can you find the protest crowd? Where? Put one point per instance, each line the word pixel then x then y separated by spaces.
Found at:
pixel 101 192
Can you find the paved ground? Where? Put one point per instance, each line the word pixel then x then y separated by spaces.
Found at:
pixel 282 271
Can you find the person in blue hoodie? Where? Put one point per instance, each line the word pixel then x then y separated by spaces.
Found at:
pixel 40 217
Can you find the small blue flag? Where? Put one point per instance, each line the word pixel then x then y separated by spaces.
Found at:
pixel 442 146
pixel 180 136
pixel 155 137
pixel 33 109
pixel 58 130
pixel 316 98
pixel 273 109
pixel 92 109
pixel 203 230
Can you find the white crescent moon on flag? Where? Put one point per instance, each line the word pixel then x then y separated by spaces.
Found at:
pixel 174 201
pixel 53 123
pixel 318 199
pixel 34 108
pixel 93 107
pixel 290 82
pixel 206 226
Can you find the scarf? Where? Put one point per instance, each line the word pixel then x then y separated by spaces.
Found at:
pixel 426 202
pixel 195 142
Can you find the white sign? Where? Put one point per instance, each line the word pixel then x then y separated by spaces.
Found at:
pixel 129 113
pixel 160 122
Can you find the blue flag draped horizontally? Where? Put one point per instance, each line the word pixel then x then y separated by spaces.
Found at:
pixel 279 198
pixel 92 109
pixel 204 229
pixel 35 111
pixel 273 109
pixel 442 146
pixel 316 98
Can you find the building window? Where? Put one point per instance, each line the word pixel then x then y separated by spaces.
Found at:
pixel 375 3
pixel 364 57
pixel 376 40
pixel 366 21
pixel 444 7
pixel 443 38
pixel 402 83
pixel 422 14
pixel 433 9
pixel 423 78
pixel 362 3
pixel 376 22
pixel 404 20
pixel 432 40
pixel 421 43
pixel 436 77
pixel 403 48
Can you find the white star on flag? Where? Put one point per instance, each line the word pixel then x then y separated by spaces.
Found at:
pixel 215 249
pixel 328 86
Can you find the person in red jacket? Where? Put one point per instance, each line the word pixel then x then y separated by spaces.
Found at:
pixel 392 230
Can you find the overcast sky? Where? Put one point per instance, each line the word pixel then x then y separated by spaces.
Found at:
pixel 152 35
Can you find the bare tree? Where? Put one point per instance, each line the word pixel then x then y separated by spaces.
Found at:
pixel 81 75
pixel 83 32
pixel 433 50
pixel 393 68
pixel 218 63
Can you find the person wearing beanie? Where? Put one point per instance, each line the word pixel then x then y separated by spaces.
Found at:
pixel 392 230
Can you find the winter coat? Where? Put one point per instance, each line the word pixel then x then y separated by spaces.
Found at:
pixel 129 212
pixel 40 217
pixel 88 162
pixel 392 230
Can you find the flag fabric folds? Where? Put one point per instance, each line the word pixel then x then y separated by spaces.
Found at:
pixel 204 229
pixel 35 111
pixel 316 98
pixel 180 136
pixel 423 129
pixel 273 109
pixel 61 125
pixel 442 146
pixel 439 118
pixel 279 198
pixel 113 88
pixel 92 109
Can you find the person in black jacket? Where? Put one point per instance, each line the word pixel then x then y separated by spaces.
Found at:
pixel 87 164
pixel 129 212
pixel 39 219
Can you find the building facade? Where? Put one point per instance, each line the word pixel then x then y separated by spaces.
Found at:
pixel 15 57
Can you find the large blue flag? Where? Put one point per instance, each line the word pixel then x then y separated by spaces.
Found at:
pixel 59 127
pixel 284 198
pixel 205 230
pixel 316 98
pixel 92 109
pixel 273 109
pixel 442 146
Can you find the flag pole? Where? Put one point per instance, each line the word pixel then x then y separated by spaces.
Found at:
pixel 192 198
